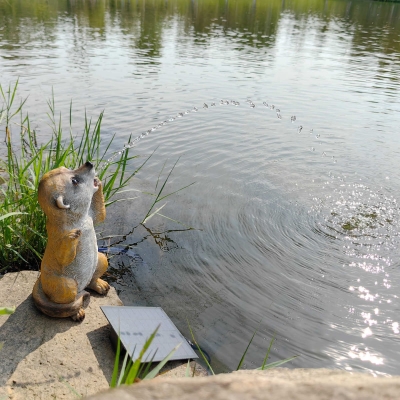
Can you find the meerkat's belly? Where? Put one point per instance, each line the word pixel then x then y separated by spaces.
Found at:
pixel 85 262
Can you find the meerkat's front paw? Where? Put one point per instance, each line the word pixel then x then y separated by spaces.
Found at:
pixel 99 286
pixel 97 182
pixel 79 316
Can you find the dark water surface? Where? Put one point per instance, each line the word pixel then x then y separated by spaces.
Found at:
pixel 297 230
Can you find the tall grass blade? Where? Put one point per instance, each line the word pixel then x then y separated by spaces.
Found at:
pixel 187 373
pixel 114 376
pixel 160 191
pixel 277 363
pixel 7 310
pixel 199 349
pixel 119 200
pixel 268 351
pixel 153 373
pixel 123 369
pixel 133 372
pixel 11 214
pixel 188 228
pixel 245 352
pixel 176 191
pixel 145 370
pixel 158 178
pixel 154 213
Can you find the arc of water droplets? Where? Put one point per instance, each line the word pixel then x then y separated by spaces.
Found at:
pixel 235 103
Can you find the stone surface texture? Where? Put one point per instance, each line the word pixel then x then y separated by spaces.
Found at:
pixel 179 369
pixel 275 384
pixel 48 358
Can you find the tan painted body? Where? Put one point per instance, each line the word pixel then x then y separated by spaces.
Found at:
pixel 73 202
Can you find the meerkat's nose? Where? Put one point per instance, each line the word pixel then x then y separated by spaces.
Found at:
pixel 88 164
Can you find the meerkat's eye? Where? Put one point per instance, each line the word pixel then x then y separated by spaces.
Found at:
pixel 74 181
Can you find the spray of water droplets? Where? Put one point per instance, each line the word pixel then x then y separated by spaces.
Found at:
pixel 179 115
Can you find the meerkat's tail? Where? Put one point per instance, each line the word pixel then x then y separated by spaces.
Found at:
pixel 58 310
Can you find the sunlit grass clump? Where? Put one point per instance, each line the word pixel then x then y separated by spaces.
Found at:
pixel 140 369
pixel 23 162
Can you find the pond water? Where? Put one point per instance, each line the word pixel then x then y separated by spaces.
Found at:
pixel 295 206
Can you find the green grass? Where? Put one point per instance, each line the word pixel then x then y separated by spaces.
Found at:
pixel 22 222
pixel 158 196
pixel 262 367
pixel 6 311
pixel 134 371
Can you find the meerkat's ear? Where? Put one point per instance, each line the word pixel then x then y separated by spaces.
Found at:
pixel 60 203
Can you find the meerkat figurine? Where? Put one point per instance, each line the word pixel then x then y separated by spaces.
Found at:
pixel 73 202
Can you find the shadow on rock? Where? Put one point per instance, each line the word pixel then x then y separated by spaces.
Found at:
pixel 25 331
pixel 102 349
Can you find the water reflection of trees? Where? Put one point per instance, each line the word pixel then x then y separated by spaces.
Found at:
pixel 374 26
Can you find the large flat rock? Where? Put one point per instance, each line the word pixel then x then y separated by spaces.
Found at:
pixel 276 384
pixel 46 358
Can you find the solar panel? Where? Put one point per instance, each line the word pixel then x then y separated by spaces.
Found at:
pixel 135 325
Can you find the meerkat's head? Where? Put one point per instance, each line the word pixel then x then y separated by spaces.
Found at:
pixel 67 191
